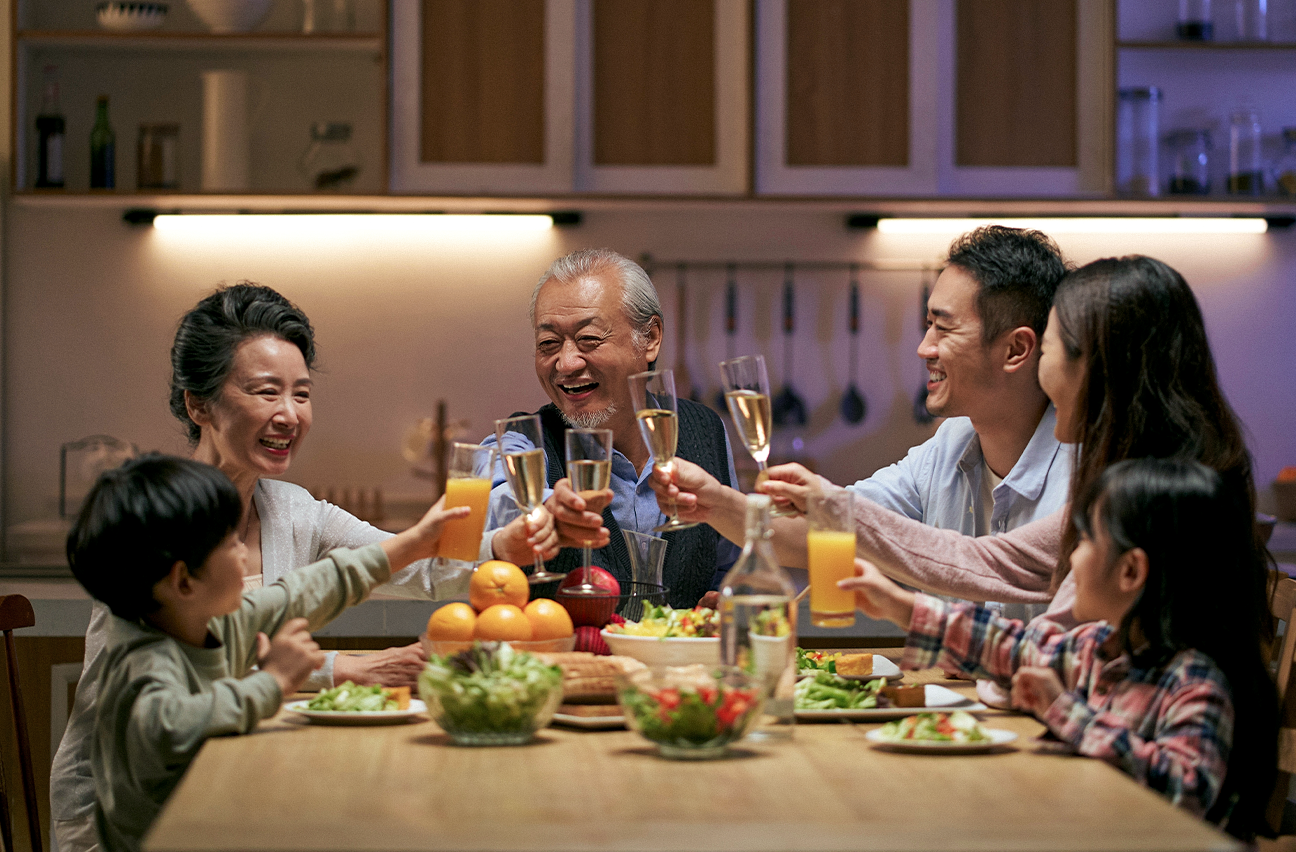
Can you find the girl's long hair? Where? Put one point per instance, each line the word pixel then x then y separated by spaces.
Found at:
pixel 1205 590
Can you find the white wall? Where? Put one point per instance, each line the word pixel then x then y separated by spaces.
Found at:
pixel 91 306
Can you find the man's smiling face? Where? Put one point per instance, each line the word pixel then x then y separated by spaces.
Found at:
pixel 585 350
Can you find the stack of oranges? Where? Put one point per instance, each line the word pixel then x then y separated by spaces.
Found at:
pixel 498 592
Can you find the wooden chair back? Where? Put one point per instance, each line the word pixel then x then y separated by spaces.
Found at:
pixel 16 612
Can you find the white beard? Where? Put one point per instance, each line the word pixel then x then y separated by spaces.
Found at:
pixel 590 419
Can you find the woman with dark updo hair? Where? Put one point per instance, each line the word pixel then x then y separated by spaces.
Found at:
pixel 241 385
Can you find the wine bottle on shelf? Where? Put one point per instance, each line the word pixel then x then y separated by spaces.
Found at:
pixel 103 149
pixel 50 130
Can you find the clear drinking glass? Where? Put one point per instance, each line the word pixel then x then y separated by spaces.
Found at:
pixel 525 469
pixel 653 393
pixel 468 483
pixel 830 542
pixel 747 393
pixel 589 467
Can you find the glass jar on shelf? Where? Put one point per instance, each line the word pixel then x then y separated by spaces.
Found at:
pixel 1189 161
pixel 1246 160
pixel 1137 138
pixel 1285 172
pixel 1195 23
pixel 331 161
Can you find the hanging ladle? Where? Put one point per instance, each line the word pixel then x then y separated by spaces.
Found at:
pixel 788 408
pixel 731 326
pixel 683 381
pixel 854 408
pixel 921 415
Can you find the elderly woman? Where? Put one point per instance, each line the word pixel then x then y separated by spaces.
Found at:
pixel 241 385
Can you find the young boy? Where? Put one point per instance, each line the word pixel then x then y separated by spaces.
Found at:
pixel 156 542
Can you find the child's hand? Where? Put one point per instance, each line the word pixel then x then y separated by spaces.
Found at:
pixel 290 656
pixel 1035 688
pixel 877 596
pixel 420 540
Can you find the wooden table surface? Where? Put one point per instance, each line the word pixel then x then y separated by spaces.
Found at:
pixel 293 786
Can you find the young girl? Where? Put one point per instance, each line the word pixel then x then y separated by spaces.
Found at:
pixel 1168 682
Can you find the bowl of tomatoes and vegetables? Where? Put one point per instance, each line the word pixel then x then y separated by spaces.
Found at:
pixel 691 712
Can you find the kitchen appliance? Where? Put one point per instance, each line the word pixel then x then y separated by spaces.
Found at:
pixel 226 131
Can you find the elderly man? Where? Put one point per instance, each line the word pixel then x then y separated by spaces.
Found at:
pixel 995 464
pixel 597 321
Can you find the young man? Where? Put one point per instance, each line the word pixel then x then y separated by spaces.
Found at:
pixel 155 542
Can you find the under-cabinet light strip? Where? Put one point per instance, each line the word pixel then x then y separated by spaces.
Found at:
pixel 318 224
pixel 1088 225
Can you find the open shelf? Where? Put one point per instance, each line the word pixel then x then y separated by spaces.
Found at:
pixel 202 42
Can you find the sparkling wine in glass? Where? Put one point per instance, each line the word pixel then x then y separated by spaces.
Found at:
pixel 653 393
pixel 747 393
pixel 589 467
pixel 525 469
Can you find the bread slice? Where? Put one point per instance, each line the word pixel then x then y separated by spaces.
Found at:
pixel 399 694
pixel 855 665
pixel 906 696
pixel 590 677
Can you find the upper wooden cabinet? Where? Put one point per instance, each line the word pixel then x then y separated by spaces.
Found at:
pixel 526 96
pixel 934 97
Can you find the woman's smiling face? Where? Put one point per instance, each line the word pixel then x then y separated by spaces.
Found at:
pixel 263 412
pixel 1061 377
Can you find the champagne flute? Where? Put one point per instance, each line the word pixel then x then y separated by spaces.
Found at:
pixel 747 393
pixel 653 393
pixel 526 474
pixel 468 483
pixel 589 467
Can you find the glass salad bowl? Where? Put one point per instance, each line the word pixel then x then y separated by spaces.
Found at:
pixel 690 712
pixel 490 694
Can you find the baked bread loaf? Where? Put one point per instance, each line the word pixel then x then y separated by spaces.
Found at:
pixel 589 677
pixel 855 665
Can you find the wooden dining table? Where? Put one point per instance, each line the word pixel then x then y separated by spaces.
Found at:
pixel 293 786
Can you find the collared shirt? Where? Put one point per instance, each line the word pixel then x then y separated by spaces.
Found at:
pixel 1169 727
pixel 634 503
pixel 939 483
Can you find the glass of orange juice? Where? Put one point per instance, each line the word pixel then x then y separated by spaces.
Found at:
pixel 468 483
pixel 831 545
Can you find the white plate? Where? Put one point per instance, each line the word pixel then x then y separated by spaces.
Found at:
pixel 997 737
pixel 882 667
pixel 376 717
pixel 592 723
pixel 938 698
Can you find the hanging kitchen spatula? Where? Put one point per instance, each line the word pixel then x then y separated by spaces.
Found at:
pixel 788 408
pixel 682 380
pixel 731 326
pixel 921 415
pixel 854 408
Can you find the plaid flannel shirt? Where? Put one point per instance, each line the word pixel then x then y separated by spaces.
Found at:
pixel 1170 727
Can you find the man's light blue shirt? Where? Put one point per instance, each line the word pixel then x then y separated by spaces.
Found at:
pixel 939 483
pixel 634 503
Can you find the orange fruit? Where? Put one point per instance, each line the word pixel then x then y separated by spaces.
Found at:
pixel 504 623
pixel 453 621
pixel 497 582
pixel 549 619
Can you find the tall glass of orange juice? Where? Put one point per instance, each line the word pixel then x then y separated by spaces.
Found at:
pixel 831 545
pixel 468 483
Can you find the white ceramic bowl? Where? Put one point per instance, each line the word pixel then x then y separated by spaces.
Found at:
pixel 130 17
pixel 654 651
pixel 231 16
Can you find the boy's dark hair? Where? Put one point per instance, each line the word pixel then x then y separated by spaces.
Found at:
pixel 203 352
pixel 1206 590
pixel 1018 271
pixel 143 517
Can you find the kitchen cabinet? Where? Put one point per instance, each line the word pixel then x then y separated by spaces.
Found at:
pixel 937 97
pixel 560 96
pixel 1202 82
pixel 154 76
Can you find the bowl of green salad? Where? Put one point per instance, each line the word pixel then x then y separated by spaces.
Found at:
pixel 490 694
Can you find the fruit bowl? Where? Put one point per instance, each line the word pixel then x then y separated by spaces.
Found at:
pixel 230 16
pixel 595 610
pixel 442 647
pixel 665 651
pixel 490 694
pixel 690 712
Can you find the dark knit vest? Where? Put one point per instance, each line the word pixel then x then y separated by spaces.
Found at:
pixel 691 554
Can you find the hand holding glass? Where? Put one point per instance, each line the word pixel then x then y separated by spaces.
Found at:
pixel 747 393
pixel 589 467
pixel 526 474
pixel 468 483
pixel 653 393
pixel 831 545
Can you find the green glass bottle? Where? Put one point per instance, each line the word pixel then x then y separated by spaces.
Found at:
pixel 102 148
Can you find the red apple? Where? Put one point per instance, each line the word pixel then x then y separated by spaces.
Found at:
pixel 586 607
pixel 597 577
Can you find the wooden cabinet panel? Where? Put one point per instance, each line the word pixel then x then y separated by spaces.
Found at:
pixel 1016 83
pixel 483 77
pixel 654 83
pixel 847 83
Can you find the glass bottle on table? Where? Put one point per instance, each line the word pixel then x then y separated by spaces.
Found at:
pixel 758 621
pixel 525 470
pixel 747 394
pixel 103 149
pixel 656 409
pixel 589 468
